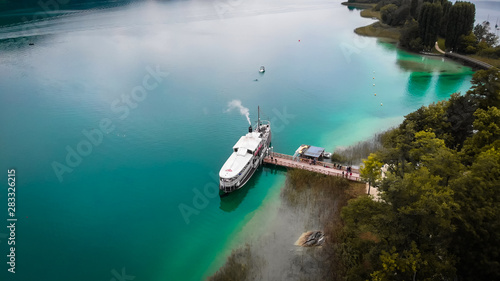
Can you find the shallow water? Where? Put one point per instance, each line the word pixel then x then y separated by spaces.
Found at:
pixel 119 207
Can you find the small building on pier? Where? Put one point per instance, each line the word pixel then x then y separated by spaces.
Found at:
pixel 309 152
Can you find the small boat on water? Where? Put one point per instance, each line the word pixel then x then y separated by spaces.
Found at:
pixel 248 154
pixel 262 69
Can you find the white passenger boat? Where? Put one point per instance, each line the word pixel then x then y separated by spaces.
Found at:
pixel 248 154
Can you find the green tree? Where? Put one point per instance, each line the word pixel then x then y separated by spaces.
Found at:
pixel 460 116
pixel 414 8
pixel 404 265
pixel 430 118
pixel 460 22
pixel 467 44
pixel 486 136
pixel 482 33
pixel 444 20
pixel 424 210
pixel 432 153
pixel 409 33
pixel 388 12
pixel 429 21
pixel 477 241
pixel 371 171
pixel 486 88
pixel 401 15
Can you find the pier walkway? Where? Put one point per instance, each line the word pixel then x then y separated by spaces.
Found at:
pixel 469 60
pixel 320 167
pixel 465 59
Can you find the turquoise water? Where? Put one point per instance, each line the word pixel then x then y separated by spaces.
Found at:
pixel 120 206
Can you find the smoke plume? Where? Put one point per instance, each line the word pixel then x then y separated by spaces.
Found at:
pixel 236 104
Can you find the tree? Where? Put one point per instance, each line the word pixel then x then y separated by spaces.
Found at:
pixel 387 13
pixel 429 21
pixel 460 22
pixel 400 15
pixel 460 116
pixel 431 118
pixel 477 240
pixel 436 217
pixel 409 33
pixel 444 20
pixel 371 170
pixel 467 44
pixel 431 152
pixel 486 88
pixel 404 265
pixel 486 136
pixel 482 33
pixel 414 8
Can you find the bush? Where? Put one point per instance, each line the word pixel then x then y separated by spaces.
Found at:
pixel 490 52
pixel 410 32
pixel 388 12
pixel 416 44
pixel 470 50
pixel 467 44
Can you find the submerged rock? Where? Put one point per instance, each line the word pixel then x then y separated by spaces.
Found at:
pixel 310 239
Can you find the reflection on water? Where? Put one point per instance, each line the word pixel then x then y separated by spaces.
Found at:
pixel 231 201
pixel 448 83
pixel 409 62
pixel 352 8
pixel 418 84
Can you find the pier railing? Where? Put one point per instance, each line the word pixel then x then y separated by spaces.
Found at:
pixel 469 60
pixel 319 163
pixel 320 167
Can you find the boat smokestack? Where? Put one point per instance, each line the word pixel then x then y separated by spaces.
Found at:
pixel 250 129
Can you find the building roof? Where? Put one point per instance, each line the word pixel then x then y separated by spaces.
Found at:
pixel 249 141
pixel 314 151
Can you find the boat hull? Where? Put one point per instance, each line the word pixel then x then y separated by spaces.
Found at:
pixel 230 188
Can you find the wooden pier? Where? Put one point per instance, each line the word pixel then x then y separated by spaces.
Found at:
pixel 320 167
pixel 468 60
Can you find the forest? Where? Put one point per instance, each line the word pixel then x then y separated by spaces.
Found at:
pixel 423 22
pixel 437 214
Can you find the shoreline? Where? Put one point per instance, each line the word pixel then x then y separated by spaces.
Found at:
pixel 376 29
pixel 358 5
pixel 306 202
pixel 391 33
pixel 247 254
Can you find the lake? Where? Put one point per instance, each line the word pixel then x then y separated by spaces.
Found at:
pixel 115 120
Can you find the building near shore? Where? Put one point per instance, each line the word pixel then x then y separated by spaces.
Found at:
pixel 309 152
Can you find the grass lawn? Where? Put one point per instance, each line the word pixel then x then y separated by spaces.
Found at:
pixel 369 13
pixel 494 62
pixel 379 30
pixel 359 5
